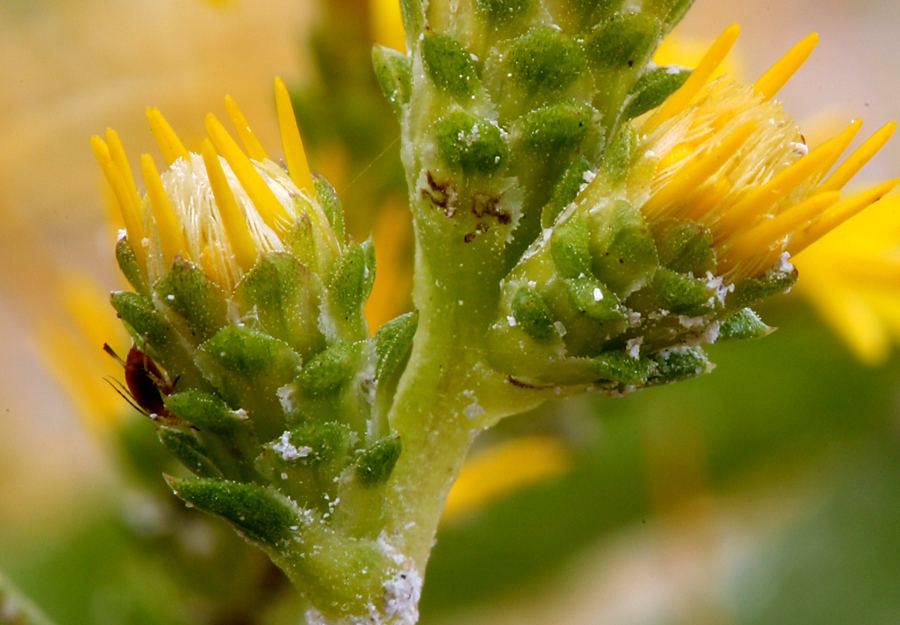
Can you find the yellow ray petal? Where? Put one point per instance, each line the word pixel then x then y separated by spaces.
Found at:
pixel 679 100
pixel 853 163
pixel 101 152
pixel 504 469
pixel 131 214
pixel 169 144
pixel 763 198
pixel 848 314
pixel 294 154
pixel 63 354
pixel 695 173
pixel 118 156
pixel 245 133
pixel 171 239
pixel 752 242
pixel 776 76
pixel 263 198
pixel 837 215
pixel 242 246
pixel 387 24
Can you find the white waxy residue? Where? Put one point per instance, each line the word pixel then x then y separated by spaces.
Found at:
pixel 288 451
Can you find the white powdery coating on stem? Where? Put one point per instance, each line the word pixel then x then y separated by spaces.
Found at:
pixel 784 263
pixel 709 335
pixel 719 288
pixel 474 409
pixel 399 603
pixel 633 347
pixel 287 450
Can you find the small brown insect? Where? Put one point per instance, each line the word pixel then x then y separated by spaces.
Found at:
pixel 145 382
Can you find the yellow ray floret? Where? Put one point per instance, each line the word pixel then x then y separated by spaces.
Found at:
pixel 265 201
pixel 680 100
pixel 101 152
pixel 294 154
pixel 118 156
pixel 760 238
pixel 692 175
pixel 169 144
pixel 387 24
pixel 853 163
pixel 171 240
pixel 776 76
pixel 245 133
pixel 837 215
pixel 242 247
pixel 131 214
pixel 765 197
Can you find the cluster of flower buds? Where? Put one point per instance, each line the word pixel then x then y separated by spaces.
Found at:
pixel 583 218
pixel 251 353
pixel 640 209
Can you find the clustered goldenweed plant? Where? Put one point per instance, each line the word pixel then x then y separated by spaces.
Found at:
pixel 584 221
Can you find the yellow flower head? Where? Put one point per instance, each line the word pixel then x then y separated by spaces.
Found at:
pixel 220 208
pixel 728 157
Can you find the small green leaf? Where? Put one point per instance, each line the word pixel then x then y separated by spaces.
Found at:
pixel 565 191
pixel 283 296
pixel 621 367
pixel 470 144
pixel 532 314
pixel 353 278
pixel 376 462
pixel 653 87
pixel 754 290
pixel 261 514
pixel 327 372
pixel 187 291
pixel 393 341
pixel 325 442
pixel 331 204
pixel 620 154
pixel 569 248
pixel 744 324
pixel 394 74
pixel 623 255
pixel 683 294
pixel 246 352
pixel 684 246
pixel 502 12
pixel 189 451
pixel 449 65
pixel 593 299
pixel 140 314
pixel 204 411
pixel 552 132
pixel 130 268
pixel 545 60
pixel 623 40
pixel 680 363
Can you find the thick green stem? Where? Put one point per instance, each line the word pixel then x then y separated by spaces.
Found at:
pixel 448 392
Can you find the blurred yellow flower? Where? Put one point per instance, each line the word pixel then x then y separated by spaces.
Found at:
pixel 852 278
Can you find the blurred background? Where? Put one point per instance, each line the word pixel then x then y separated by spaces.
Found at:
pixel 766 492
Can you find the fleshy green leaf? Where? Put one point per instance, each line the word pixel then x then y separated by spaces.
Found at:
pixel 376 462
pixel 393 341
